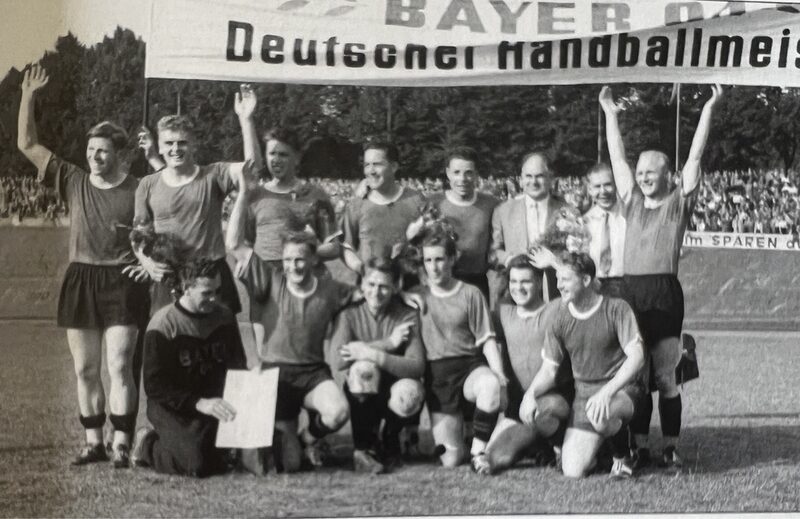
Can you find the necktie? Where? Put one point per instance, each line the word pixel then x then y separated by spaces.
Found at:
pixel 605 247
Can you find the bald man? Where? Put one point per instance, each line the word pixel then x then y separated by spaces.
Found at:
pixel 656 218
pixel 518 224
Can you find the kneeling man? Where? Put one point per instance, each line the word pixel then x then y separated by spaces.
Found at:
pixel 465 371
pixel 601 339
pixel 379 341
pixel 188 348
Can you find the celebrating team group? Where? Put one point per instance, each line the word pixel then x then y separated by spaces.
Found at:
pixel 518 348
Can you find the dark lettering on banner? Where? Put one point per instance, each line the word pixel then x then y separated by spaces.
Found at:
pixel 724 43
pixel 272 49
pixel 234 29
pixel 760 50
pixel 773 243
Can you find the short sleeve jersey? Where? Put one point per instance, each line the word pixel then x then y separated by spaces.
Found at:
pixel 191 212
pixel 473 223
pixel 294 323
pixel 187 356
pixel 271 215
pixel 373 229
pixel 457 323
pixel 100 219
pixel 357 323
pixel 654 236
pixel 593 341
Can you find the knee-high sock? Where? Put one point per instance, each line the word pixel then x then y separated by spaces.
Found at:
pixel 640 424
pixel 670 410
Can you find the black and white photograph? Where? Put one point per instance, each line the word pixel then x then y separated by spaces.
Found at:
pixel 359 258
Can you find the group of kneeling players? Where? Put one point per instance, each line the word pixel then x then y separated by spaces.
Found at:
pixel 547 352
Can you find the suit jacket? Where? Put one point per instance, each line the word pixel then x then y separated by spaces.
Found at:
pixel 510 238
pixel 510 226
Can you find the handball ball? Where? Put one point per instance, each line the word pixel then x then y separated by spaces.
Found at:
pixel 363 378
pixel 407 397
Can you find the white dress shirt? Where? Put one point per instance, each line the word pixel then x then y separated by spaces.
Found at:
pixel 536 218
pixel 616 223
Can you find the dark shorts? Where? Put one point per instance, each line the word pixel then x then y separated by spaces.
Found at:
pixel 161 295
pixel 657 301
pixel 98 296
pixel 295 381
pixel 479 280
pixel 444 384
pixel 584 390
pixel 612 287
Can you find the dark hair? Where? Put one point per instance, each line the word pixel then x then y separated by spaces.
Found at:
pixel 198 268
pixel 176 123
pixel 463 153
pixel 436 237
pixel 579 262
pixel 112 132
pixel 384 265
pixel 389 149
pixel 284 135
pixel 540 154
pixel 520 261
pixel 301 238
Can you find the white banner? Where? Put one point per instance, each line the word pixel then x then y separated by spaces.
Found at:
pixel 474 42
pixel 733 240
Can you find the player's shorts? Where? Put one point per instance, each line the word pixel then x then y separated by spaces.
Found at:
pixel 295 381
pixel 584 390
pixel 161 295
pixel 98 296
pixel 612 287
pixel 657 301
pixel 444 384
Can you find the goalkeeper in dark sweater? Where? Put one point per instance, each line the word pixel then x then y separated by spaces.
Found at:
pixel 188 348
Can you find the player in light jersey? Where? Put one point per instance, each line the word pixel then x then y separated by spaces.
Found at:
pixel 521 327
pixel 600 338
pixel 465 370
pixel 656 218
pixel 98 303
pixel 293 310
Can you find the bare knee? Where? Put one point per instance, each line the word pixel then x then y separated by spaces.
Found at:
pixel 87 371
pixel 336 415
pixel 488 393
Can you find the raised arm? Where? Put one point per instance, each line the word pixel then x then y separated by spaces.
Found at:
pixel 245 105
pixel 27 138
pixel 235 233
pixel 147 144
pixel 692 174
pixel 623 175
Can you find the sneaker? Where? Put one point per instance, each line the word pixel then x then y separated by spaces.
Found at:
pixel 480 464
pixel 121 456
pixel 670 459
pixel 642 458
pixel 366 462
pixel 90 454
pixel 140 443
pixel 622 468
pixel 316 452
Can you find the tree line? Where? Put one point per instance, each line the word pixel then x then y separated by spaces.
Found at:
pixel 755 127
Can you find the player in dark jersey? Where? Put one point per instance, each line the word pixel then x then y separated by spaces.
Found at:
pixel 379 341
pixel 185 199
pixel 600 338
pixel 189 347
pixel 293 309
pixel 522 327
pixel 98 303
pixel 470 214
pixel 656 219
pixel 465 370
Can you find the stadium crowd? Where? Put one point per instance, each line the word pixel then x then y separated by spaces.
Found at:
pixel 525 327
pixel 24 197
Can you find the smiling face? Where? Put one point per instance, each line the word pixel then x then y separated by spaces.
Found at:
pixel 522 286
pixel 535 177
pixel 281 160
pixel 297 263
pixel 571 284
pixel 378 289
pixel 177 148
pixel 462 174
pixel 101 156
pixel 379 171
pixel 652 174
pixel 601 188
pixel 438 265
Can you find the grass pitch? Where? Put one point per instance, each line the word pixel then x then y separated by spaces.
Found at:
pixel 741 441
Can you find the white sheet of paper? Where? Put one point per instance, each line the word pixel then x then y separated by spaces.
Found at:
pixel 253 395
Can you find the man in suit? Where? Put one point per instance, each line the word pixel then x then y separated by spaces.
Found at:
pixel 519 223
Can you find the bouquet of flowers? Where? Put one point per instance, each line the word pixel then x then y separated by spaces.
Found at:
pixel 568 232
